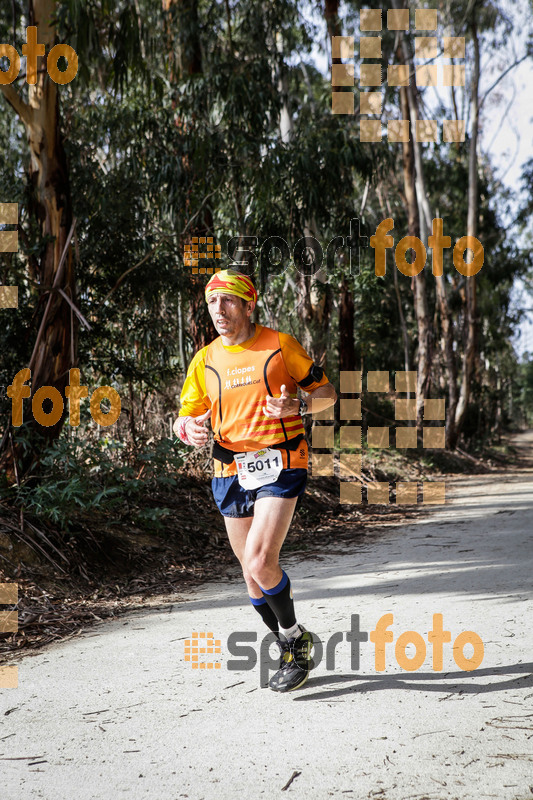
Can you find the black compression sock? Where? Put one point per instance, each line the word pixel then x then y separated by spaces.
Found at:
pixel 279 598
pixel 269 618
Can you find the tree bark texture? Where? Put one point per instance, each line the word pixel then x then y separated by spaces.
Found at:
pixel 55 351
pixel 470 349
pixel 347 354
pixel 185 51
pixel 424 350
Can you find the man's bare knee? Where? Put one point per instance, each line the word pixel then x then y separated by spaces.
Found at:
pixel 263 567
pixel 257 563
pixel 253 586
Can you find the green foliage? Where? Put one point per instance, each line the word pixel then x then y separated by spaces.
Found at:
pixel 79 480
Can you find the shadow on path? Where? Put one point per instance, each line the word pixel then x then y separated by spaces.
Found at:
pixel 421 682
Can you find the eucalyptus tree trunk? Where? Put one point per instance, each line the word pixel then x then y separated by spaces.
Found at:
pixel 457 402
pixel 56 347
pixel 401 315
pixel 469 356
pixel 415 225
pixel 348 360
pixel 314 292
pixel 450 364
pixel 183 31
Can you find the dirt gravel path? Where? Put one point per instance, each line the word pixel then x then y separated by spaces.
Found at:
pixel 128 716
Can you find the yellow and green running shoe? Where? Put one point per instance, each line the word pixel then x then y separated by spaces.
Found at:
pixel 295 662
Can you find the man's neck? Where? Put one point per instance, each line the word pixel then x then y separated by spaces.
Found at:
pixel 240 337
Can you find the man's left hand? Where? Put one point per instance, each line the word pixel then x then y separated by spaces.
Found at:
pixel 283 406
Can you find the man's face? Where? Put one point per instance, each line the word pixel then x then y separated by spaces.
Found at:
pixel 230 314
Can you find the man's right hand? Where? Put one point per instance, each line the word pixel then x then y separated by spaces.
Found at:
pixel 196 431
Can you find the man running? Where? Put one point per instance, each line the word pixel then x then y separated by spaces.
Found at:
pixel 246 381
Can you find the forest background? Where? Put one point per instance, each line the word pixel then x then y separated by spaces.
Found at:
pixel 191 119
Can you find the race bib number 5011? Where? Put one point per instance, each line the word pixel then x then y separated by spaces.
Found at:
pixel 259 468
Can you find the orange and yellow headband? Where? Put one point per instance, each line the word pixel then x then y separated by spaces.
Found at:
pixel 229 282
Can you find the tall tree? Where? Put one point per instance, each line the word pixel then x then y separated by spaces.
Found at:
pixel 314 291
pixel 55 350
pixel 470 318
pixel 417 225
pixel 348 360
pixel 183 30
pixel 457 401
